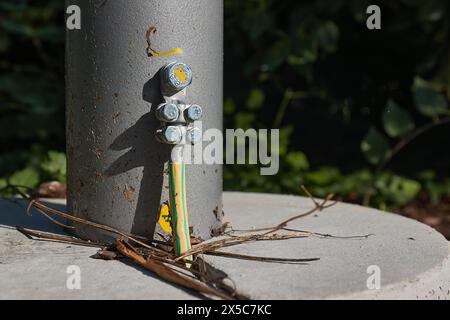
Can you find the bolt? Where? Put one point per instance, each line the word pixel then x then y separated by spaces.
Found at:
pixel 194 113
pixel 175 77
pixel 194 135
pixel 167 112
pixel 170 135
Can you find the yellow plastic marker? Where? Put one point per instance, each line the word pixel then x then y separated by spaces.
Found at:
pixel 165 219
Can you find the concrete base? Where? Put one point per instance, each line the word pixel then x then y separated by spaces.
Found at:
pixel 413 259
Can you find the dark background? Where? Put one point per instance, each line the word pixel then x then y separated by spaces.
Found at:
pixel 345 97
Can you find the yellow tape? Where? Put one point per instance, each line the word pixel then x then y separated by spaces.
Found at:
pixel 167 53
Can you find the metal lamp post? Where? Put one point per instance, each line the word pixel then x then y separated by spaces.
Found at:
pixel 115 165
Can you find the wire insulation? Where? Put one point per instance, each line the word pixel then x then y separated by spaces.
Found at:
pixel 178 206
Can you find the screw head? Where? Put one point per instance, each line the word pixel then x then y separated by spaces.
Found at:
pixel 172 135
pixel 168 112
pixel 194 112
pixel 194 135
pixel 175 77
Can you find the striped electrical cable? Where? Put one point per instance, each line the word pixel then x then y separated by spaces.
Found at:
pixel 178 208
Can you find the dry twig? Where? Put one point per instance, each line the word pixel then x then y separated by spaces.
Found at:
pixel 317 208
pixel 167 273
pixel 58 238
pixel 263 259
pixel 235 240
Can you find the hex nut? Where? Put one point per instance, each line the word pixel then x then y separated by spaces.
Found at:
pixel 167 112
pixel 169 135
pixel 193 113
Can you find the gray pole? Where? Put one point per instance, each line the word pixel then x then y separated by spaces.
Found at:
pixel 115 164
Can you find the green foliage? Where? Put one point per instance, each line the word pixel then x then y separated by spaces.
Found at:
pixel 27 177
pixel 387 190
pixel 343 97
pixel 255 99
pixel 436 188
pixel 54 166
pixel 429 101
pixel 397 121
pixel 354 77
pixel 375 146
pixel 297 161
pixel 31 90
pixel 50 167
pixel 395 189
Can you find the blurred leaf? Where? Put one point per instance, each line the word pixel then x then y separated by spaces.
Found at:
pixel 55 165
pixel 427 175
pixel 397 189
pixel 17 28
pixel 431 10
pixel 255 99
pixel 442 77
pixel 397 121
pixel 244 120
pixel 408 188
pixel 3 183
pixel 51 33
pixel 358 9
pixel 228 106
pixel 357 183
pixel 297 160
pixel 304 47
pixel 324 176
pixel 328 36
pixel 428 101
pixel 255 23
pixel 285 137
pixel 374 146
pixel 27 177
pixel 276 54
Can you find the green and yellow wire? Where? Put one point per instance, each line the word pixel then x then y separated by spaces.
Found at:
pixel 178 209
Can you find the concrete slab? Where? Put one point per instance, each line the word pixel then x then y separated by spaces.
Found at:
pixel 412 258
